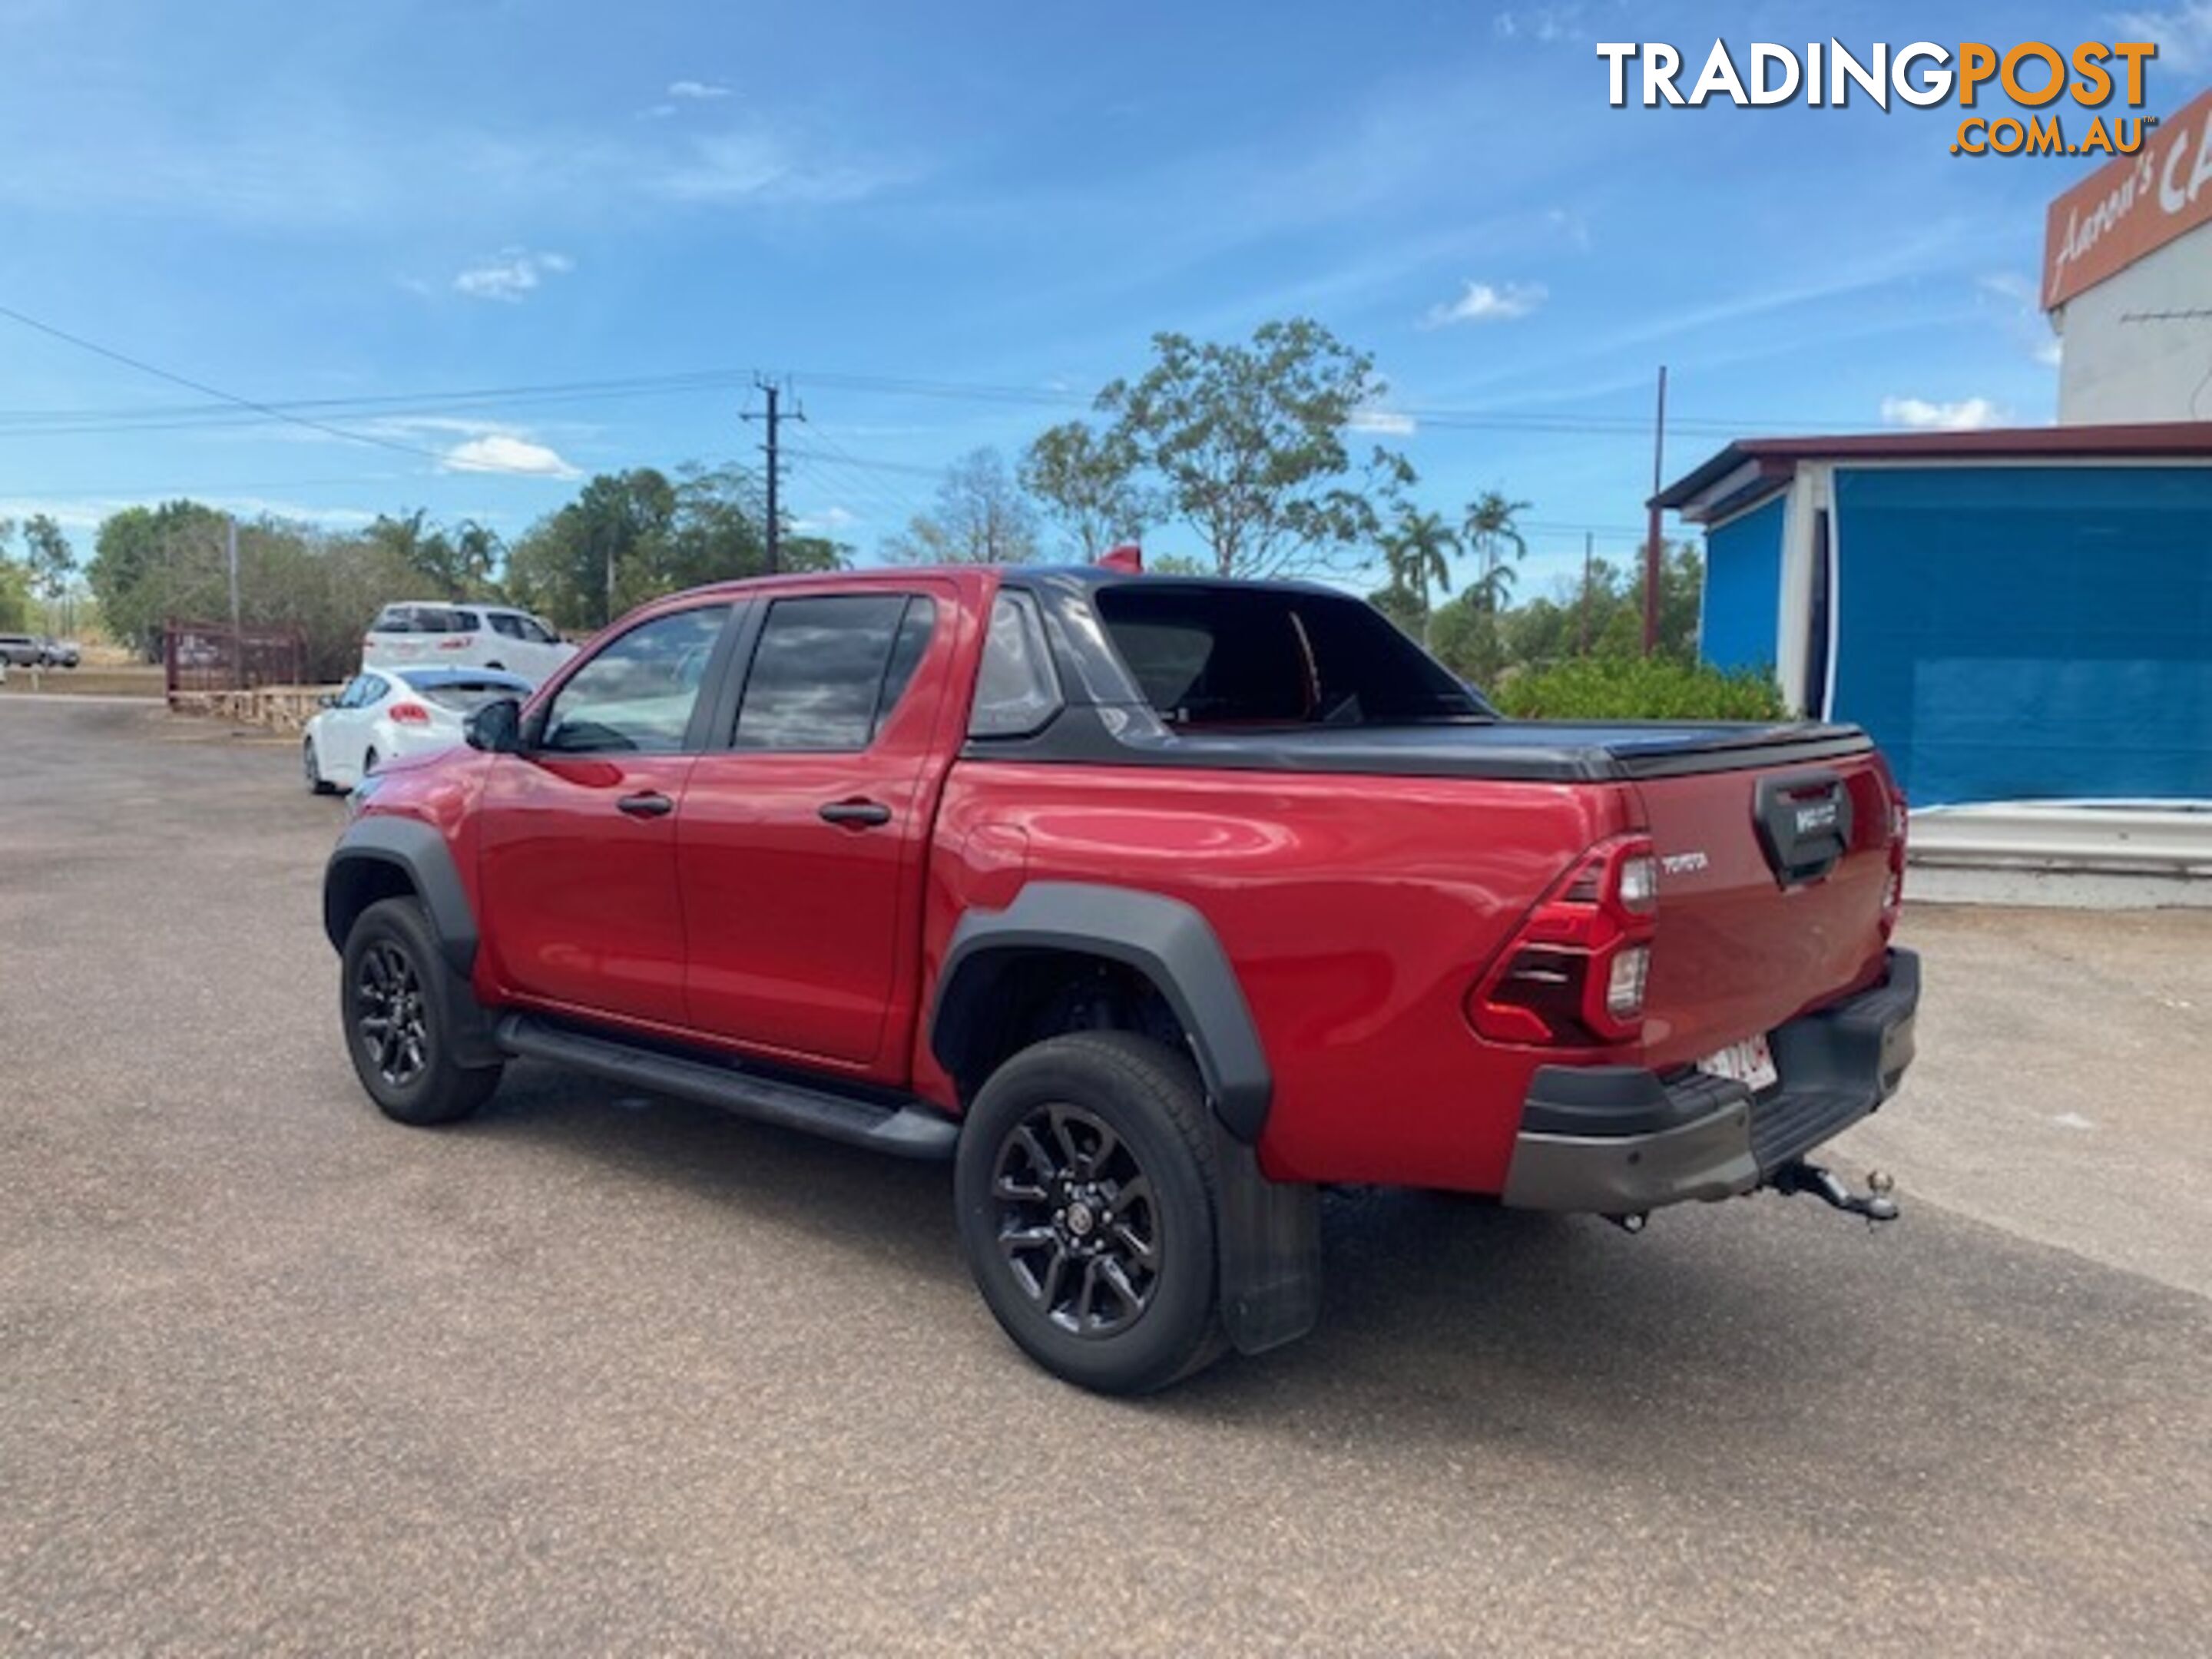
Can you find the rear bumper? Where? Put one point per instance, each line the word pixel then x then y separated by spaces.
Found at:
pixel 1618 1140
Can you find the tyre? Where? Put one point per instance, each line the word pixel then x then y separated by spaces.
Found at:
pixel 393 997
pixel 311 764
pixel 1086 1192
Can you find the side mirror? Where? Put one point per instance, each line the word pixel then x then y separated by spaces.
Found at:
pixel 328 699
pixel 496 727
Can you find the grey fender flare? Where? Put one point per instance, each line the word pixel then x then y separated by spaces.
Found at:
pixel 418 851
pixel 1163 939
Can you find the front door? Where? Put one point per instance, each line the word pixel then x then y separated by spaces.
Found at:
pixel 577 855
pixel 802 838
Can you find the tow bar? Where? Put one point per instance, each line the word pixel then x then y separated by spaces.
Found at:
pixel 1874 1204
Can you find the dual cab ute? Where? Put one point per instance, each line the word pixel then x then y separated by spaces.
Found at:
pixel 1153 904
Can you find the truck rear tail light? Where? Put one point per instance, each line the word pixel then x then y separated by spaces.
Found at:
pixel 1639 884
pixel 1574 975
pixel 1893 893
pixel 409 713
pixel 1624 986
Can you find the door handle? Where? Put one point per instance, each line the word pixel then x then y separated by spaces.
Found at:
pixel 858 814
pixel 651 804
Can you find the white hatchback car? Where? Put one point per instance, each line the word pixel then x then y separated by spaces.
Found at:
pixel 382 713
pixel 432 632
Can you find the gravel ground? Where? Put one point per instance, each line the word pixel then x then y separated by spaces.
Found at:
pixel 599 1374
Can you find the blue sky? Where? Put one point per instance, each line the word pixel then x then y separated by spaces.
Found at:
pixel 389 200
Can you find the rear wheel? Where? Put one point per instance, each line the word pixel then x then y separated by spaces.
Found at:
pixel 393 999
pixel 1085 1196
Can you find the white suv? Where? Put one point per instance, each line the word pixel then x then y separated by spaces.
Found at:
pixel 433 633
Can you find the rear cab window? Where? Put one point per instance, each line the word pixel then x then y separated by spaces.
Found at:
pixel 1207 656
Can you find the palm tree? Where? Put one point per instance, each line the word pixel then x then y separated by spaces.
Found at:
pixel 1418 552
pixel 1491 532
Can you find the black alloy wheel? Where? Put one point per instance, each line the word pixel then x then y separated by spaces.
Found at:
pixel 1078 1222
pixel 399 1001
pixel 391 1021
pixel 1084 1186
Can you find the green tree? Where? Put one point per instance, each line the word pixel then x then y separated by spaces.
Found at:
pixel 980 517
pixel 585 563
pixel 454 563
pixel 1087 483
pixel 49 560
pixel 1247 445
pixel 1418 550
pixel 149 564
pixel 1494 539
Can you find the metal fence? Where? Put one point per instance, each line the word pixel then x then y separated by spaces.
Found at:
pixel 199 657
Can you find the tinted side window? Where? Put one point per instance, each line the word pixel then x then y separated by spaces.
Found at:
pixel 466 622
pixel 537 632
pixel 824 669
pixel 1017 689
pixel 393 619
pixel 503 624
pixel 637 694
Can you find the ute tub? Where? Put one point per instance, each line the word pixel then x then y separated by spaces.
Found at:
pixel 1619 1140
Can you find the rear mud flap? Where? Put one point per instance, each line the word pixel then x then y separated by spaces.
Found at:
pixel 1269 1251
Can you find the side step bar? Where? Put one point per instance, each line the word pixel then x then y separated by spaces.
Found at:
pixel 913 1130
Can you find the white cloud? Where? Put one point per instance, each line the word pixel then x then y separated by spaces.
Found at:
pixel 656 111
pixel 1545 24
pixel 503 452
pixel 830 521
pixel 1390 422
pixel 515 272
pixel 697 90
pixel 1570 224
pixel 1486 302
pixel 2050 354
pixel 1967 414
pixel 2184 34
pixel 734 167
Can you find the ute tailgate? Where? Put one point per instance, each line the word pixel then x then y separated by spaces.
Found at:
pixel 1773 872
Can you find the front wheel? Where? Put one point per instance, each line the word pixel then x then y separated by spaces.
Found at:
pixel 1086 1194
pixel 311 764
pixel 393 999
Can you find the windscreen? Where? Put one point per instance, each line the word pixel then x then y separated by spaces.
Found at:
pixel 1260 656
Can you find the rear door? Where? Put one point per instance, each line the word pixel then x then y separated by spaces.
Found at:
pixel 577 842
pixel 804 830
pixel 1772 883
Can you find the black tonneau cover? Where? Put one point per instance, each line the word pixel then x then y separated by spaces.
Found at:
pixel 1536 751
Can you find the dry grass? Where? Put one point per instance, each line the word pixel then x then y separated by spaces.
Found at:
pixel 125 679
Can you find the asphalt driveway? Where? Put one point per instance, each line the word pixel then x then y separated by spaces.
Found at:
pixel 598 1373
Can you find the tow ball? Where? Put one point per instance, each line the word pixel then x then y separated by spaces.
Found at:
pixel 1874 1204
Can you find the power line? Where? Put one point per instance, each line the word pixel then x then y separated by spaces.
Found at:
pixel 207 391
pixel 88 421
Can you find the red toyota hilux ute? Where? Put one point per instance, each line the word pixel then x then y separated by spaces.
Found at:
pixel 1153 903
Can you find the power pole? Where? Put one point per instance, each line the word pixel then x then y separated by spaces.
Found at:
pixel 1582 650
pixel 237 641
pixel 774 418
pixel 1651 537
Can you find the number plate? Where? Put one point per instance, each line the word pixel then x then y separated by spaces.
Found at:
pixel 1749 1061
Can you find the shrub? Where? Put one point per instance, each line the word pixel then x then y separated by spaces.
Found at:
pixel 1640 688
